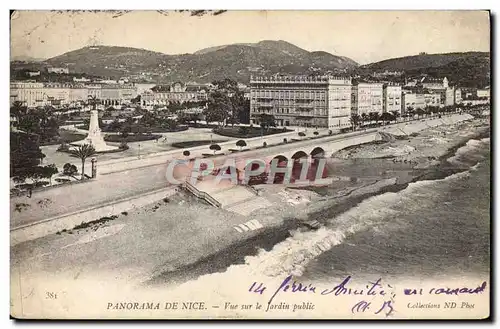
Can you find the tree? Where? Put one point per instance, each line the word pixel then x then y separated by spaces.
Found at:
pixel 364 117
pixel 374 116
pixel 410 111
pixel 18 110
pixel 184 117
pixel 25 153
pixel 115 125
pixel 49 171
pixel 93 101
pixel 219 107
pixel 136 100
pixel 39 122
pixel 36 175
pixel 267 120
pixel 229 99
pixel 215 147
pixel 69 169
pixel 302 134
pixel 355 118
pixel 241 144
pixel 186 153
pixel 419 112
pixel 316 133
pixel 174 107
pixel 387 117
pixel 148 119
pixel 83 152
pixel 396 114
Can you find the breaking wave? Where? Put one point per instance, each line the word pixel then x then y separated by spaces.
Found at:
pixel 466 154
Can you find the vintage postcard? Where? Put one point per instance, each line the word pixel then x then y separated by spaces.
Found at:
pixel 215 164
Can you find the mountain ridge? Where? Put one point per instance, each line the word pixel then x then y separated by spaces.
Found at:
pixel 420 61
pixel 237 61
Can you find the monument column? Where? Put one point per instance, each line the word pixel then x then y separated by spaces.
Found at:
pixel 94 136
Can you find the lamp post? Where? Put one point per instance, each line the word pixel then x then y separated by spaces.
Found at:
pixel 139 152
pixel 94 167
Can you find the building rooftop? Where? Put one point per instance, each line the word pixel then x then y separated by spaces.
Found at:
pixel 298 78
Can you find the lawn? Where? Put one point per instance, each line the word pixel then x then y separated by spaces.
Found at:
pixel 64 136
pixel 187 144
pixel 131 138
pixel 248 132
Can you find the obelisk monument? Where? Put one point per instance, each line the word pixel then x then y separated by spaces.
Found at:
pixel 94 137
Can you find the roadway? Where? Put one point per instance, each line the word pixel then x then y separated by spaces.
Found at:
pixel 60 200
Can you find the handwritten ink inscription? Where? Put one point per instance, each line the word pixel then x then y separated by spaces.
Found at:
pixel 376 296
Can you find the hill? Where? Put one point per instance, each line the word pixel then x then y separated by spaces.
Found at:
pixel 420 61
pixel 26 59
pixel 236 61
pixel 468 69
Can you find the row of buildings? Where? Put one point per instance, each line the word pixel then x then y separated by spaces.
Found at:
pixel 35 94
pixel 38 94
pixel 329 101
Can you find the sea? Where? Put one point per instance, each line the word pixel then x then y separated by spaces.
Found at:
pixel 429 229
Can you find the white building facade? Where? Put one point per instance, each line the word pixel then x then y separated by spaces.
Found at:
pixel 306 101
pixel 367 97
pixel 392 98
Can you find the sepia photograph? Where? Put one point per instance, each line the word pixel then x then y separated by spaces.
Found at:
pixel 250 164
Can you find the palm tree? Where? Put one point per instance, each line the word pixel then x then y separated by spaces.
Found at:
pixel 17 110
pixel 411 112
pixel 93 100
pixel 355 118
pixel 364 117
pixel 83 152
pixel 396 115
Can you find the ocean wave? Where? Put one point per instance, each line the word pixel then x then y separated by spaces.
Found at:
pixel 470 152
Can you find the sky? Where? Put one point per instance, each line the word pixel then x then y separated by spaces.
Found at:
pixel 364 36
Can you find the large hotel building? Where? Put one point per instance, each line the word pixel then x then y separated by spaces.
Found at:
pixel 367 97
pixel 307 101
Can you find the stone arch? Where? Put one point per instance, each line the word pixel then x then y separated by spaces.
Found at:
pixel 227 171
pixel 318 152
pixel 281 159
pixel 318 169
pixel 298 165
pixel 282 163
pixel 299 154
